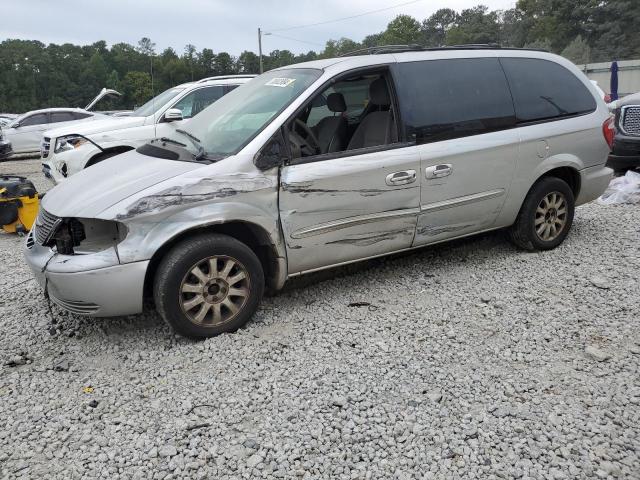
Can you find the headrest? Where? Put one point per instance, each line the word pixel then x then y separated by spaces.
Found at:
pixel 378 93
pixel 336 103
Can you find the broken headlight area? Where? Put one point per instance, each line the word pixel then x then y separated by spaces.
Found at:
pixel 82 236
pixel 69 142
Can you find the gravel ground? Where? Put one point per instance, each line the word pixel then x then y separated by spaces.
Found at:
pixel 473 360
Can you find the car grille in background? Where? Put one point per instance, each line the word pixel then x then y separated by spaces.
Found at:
pixel 45 226
pixel 631 120
pixel 45 147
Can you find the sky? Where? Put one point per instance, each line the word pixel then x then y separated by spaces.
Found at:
pixel 222 25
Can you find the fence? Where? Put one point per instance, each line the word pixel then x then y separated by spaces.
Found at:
pixel 628 75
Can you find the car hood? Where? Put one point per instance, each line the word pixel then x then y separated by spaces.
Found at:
pixel 629 100
pixel 97 126
pixel 93 190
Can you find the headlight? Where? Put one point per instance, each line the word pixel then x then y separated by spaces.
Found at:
pixel 69 142
pixel 78 236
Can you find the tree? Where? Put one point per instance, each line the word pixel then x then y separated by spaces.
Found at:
pixel 402 30
pixel 248 62
pixel 146 46
pixel 137 88
pixel 474 25
pixel 435 28
pixel 578 51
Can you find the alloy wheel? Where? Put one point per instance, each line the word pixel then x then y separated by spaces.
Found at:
pixel 551 216
pixel 214 290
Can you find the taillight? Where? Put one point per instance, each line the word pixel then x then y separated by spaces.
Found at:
pixel 609 131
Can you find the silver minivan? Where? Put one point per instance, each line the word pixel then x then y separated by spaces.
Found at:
pixel 321 164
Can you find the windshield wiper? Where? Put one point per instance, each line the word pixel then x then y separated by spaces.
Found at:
pixel 201 154
pixel 192 137
pixel 171 140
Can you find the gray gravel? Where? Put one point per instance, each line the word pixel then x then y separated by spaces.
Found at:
pixel 473 360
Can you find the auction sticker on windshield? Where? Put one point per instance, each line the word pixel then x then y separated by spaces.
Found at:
pixel 280 82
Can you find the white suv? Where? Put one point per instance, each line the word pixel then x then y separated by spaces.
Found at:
pixel 66 151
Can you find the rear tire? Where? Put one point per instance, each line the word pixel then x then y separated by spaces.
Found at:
pixel 208 285
pixel 545 217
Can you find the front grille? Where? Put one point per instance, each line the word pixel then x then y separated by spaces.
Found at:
pixel 631 120
pixel 45 226
pixel 45 147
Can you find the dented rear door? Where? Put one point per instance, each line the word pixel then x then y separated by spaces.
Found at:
pixel 349 208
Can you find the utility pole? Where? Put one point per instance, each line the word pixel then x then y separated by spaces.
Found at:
pixel 260 49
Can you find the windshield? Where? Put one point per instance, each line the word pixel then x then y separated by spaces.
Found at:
pixel 226 126
pixel 156 103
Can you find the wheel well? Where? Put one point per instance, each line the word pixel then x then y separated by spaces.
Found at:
pixel 107 152
pixel 250 234
pixel 569 175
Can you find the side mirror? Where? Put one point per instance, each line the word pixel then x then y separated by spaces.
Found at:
pixel 173 115
pixel 273 154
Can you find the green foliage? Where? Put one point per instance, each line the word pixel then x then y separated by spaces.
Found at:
pixel 578 51
pixel 137 88
pixel 34 75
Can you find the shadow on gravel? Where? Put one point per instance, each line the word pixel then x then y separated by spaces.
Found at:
pixel 437 259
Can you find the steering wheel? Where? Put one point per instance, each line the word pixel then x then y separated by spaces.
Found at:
pixel 306 142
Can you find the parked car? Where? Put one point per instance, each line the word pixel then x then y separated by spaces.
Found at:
pixel 78 147
pixel 6 118
pixel 25 132
pixel 321 164
pixel 625 134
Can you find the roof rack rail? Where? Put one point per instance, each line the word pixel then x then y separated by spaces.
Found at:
pixel 419 48
pixel 224 77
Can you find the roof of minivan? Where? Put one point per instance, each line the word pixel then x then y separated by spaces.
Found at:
pixel 343 63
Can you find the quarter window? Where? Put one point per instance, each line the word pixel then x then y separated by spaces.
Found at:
pixel 445 99
pixel 544 90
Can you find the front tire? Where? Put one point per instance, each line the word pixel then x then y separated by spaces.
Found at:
pixel 208 285
pixel 546 216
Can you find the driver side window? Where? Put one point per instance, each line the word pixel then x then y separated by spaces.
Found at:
pixel 193 103
pixel 355 112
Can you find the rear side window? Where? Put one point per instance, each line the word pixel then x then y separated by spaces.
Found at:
pixel 445 99
pixel 544 90
pixel 80 115
pixel 62 117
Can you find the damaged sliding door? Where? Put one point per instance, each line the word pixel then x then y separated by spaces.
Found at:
pixel 351 207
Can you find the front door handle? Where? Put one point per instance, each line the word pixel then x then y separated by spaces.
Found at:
pixel 438 171
pixel 401 178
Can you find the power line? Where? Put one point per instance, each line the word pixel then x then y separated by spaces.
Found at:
pixel 294 39
pixel 344 18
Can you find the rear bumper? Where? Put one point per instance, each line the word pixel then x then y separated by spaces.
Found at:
pixel 96 292
pixel 623 162
pixel 593 182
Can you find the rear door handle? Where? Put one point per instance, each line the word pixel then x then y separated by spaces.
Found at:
pixel 401 178
pixel 438 171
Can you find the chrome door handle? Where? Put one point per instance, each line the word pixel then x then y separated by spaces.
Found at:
pixel 438 171
pixel 401 178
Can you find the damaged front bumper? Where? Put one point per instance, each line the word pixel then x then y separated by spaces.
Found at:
pixel 95 285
